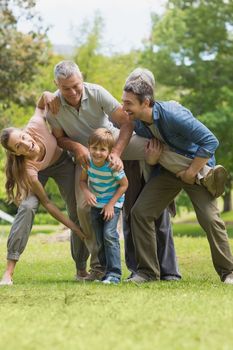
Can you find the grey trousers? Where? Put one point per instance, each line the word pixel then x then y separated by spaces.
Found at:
pixel 63 172
pixel 155 197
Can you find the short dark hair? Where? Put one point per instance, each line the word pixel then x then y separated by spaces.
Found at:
pixel 141 89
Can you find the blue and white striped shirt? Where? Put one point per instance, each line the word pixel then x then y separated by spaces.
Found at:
pixel 103 184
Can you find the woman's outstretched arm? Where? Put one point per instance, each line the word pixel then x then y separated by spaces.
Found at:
pixel 39 191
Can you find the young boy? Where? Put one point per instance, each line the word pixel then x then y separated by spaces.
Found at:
pixel 105 195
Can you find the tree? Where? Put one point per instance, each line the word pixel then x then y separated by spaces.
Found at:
pixel 88 43
pixel 191 50
pixel 20 53
pixel 110 71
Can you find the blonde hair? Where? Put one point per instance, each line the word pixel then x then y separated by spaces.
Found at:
pixel 102 136
pixel 17 181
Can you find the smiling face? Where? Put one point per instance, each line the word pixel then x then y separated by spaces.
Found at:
pixel 99 153
pixel 71 89
pixel 21 143
pixel 133 107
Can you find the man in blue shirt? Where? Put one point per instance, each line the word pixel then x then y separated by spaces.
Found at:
pixel 174 126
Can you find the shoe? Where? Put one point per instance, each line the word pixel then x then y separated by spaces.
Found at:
pixel 111 280
pixel 215 180
pixel 130 276
pixel 6 282
pixel 81 275
pixel 229 279
pixel 94 275
pixel 137 279
pixel 170 278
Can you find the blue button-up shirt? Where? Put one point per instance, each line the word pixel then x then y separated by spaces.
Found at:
pixel 181 131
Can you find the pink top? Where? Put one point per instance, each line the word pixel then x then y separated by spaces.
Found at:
pixel 38 128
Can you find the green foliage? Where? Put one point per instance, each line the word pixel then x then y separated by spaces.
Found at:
pixel 191 48
pixel 20 54
pixel 43 218
pixel 110 71
pixel 220 121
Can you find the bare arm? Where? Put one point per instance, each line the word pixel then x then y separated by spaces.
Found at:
pixel 108 209
pixel 122 120
pixel 189 175
pixel 81 152
pixel 90 198
pixel 39 191
pixel 49 100
pixel 39 112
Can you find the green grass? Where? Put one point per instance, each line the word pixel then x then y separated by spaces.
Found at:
pixel 187 225
pixel 46 309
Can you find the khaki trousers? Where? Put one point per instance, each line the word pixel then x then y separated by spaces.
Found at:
pixel 154 198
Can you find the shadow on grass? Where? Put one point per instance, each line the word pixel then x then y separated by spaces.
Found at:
pixel 195 230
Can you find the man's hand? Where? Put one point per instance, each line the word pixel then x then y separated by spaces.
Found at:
pixel 82 155
pixel 115 162
pixel 51 101
pixel 108 212
pixel 90 198
pixel 153 150
pixel 186 176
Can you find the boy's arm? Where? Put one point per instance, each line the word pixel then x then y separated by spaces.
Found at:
pixel 90 198
pixel 108 209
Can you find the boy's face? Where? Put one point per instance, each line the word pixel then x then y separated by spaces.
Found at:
pixel 99 154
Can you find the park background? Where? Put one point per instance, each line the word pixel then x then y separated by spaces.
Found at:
pixel 189 48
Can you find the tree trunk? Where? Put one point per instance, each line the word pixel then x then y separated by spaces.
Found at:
pixel 227 196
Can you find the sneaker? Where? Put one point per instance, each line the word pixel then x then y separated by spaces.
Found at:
pixel 81 275
pixel 130 276
pixel 6 282
pixel 111 280
pixel 94 275
pixel 229 279
pixel 170 278
pixel 215 180
pixel 137 279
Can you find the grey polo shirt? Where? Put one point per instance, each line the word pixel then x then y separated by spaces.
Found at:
pixel 97 106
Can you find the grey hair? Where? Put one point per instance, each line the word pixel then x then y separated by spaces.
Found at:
pixel 65 69
pixel 144 74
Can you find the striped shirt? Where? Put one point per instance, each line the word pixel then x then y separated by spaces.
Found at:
pixel 103 184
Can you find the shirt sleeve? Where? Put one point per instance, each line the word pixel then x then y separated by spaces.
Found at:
pixel 107 102
pixel 118 175
pixel 182 120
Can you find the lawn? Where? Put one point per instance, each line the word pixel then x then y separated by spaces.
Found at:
pixel 47 309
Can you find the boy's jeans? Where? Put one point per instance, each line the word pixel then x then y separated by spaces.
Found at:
pixel 108 241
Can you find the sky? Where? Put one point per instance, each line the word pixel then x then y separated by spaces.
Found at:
pixel 127 22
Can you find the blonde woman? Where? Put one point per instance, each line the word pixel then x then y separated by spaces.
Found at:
pixel 30 151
